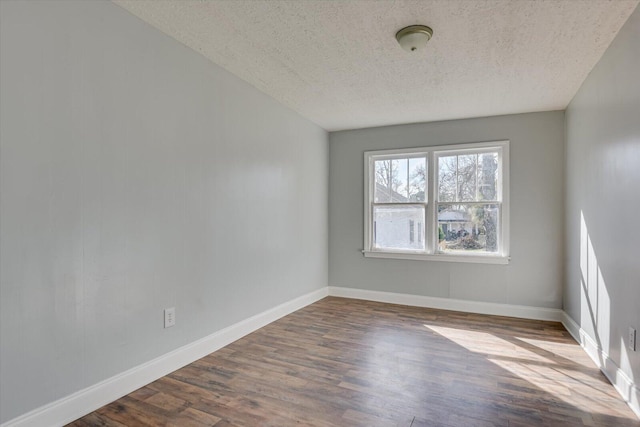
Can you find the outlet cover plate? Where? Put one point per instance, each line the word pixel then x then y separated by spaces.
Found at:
pixel 631 342
pixel 169 317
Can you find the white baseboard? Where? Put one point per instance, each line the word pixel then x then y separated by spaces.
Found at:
pixel 621 381
pixel 85 401
pixel 78 404
pixel 522 311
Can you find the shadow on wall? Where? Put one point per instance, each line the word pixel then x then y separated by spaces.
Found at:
pixel 595 303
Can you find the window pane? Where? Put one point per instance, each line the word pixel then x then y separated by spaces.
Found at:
pixel 468 228
pixel 417 179
pixel 400 180
pixel 394 227
pixel 400 187
pixel 488 176
pixel 390 186
pixel 384 181
pixel 447 170
pixel 467 178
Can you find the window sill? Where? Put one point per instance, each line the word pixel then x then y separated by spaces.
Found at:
pixel 478 259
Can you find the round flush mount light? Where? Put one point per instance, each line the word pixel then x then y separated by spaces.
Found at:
pixel 414 37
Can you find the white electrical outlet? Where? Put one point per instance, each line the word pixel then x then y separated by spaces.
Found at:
pixel 169 317
pixel 631 342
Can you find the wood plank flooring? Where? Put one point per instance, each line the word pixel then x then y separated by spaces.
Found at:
pixel 344 362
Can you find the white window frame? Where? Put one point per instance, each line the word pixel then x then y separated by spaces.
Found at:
pixel 431 228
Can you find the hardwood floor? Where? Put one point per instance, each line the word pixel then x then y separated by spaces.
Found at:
pixel 343 362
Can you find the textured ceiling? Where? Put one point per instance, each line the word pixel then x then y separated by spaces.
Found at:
pixel 337 63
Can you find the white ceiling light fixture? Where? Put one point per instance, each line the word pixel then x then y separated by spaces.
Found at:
pixel 414 37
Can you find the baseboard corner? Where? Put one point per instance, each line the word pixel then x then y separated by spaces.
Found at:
pixel 624 385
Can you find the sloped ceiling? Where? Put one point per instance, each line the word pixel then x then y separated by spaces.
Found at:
pixel 338 64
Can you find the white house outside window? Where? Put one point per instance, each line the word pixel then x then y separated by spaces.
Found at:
pixel 447 203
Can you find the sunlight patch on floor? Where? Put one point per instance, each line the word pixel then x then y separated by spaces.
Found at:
pixel 556 368
pixel 486 343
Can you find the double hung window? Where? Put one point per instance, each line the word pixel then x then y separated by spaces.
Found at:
pixel 447 203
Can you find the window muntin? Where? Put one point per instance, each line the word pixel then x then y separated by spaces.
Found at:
pixel 467 219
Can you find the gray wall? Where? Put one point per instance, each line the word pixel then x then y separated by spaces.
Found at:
pixel 602 291
pixel 534 276
pixel 136 175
